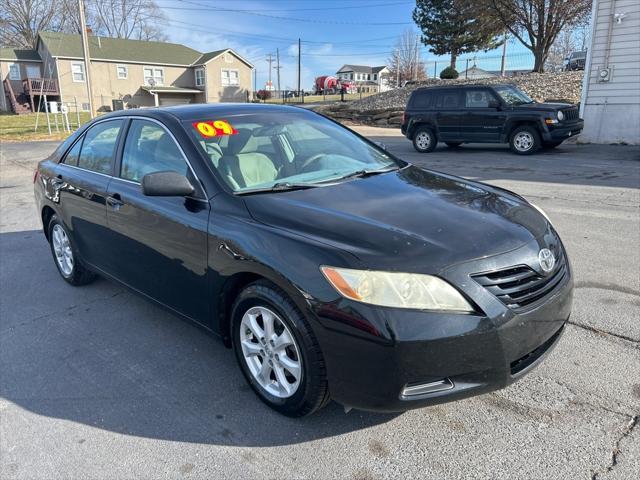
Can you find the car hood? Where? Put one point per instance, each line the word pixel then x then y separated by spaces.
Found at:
pixel 546 107
pixel 409 219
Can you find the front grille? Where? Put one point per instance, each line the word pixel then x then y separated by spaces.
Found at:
pixel 530 358
pixel 521 286
pixel 570 114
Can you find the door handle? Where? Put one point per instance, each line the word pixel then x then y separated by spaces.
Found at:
pixel 115 201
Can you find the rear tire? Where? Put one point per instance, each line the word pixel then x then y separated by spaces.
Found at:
pixel 263 310
pixel 453 144
pixel 65 255
pixel 424 139
pixel 525 140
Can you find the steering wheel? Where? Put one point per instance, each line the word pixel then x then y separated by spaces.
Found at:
pixel 312 159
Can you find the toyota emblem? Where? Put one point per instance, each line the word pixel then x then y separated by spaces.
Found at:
pixel 547 260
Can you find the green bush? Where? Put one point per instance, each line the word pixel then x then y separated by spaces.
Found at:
pixel 449 73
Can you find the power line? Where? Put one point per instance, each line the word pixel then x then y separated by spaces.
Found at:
pixel 294 10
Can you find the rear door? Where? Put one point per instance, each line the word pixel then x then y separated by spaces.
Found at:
pixel 160 243
pixel 481 122
pixel 82 179
pixel 449 108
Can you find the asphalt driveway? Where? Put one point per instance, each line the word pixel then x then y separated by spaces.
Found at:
pixel 96 382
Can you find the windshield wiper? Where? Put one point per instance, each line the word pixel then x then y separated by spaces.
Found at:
pixel 363 173
pixel 279 187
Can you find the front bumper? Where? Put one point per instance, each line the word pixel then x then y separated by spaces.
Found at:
pixel 375 354
pixel 563 131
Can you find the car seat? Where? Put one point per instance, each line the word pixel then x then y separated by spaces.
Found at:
pixel 242 166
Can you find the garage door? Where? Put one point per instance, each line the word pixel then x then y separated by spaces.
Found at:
pixel 166 100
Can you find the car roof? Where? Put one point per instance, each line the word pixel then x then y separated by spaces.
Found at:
pixel 457 87
pixel 204 110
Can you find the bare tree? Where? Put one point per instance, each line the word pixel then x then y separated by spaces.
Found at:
pixel 537 23
pixel 139 19
pixel 21 20
pixel 406 62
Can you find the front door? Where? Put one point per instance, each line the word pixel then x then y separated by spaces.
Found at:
pixel 82 179
pixel 159 244
pixel 482 121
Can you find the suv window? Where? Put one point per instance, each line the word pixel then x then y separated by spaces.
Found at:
pixel 98 146
pixel 149 148
pixel 449 99
pixel 421 100
pixel 478 98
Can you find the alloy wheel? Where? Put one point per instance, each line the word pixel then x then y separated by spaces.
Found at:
pixel 423 140
pixel 523 141
pixel 270 352
pixel 62 250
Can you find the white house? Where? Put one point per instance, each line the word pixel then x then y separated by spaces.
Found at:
pixel 367 79
pixel 475 73
pixel 610 103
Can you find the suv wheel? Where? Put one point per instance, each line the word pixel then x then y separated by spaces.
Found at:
pixel 65 255
pixel 525 140
pixel 277 351
pixel 424 140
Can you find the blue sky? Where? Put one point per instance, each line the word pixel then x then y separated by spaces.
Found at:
pixel 333 32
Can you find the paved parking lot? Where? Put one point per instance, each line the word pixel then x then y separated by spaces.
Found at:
pixel 96 382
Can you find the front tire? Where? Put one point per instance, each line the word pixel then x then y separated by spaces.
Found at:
pixel 65 255
pixel 277 351
pixel 525 140
pixel 424 140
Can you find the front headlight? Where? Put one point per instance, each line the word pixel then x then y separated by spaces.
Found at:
pixel 560 115
pixel 400 290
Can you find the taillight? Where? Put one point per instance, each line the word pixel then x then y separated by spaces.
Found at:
pixel 35 175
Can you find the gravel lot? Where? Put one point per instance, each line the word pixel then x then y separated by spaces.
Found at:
pixel 96 382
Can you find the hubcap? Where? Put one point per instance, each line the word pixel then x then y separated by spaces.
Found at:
pixel 423 140
pixel 270 352
pixel 62 250
pixel 523 141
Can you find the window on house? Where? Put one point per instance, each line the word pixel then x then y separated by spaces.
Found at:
pixel 14 71
pixel 153 75
pixel 122 72
pixel 375 76
pixel 77 72
pixel 199 77
pixel 229 78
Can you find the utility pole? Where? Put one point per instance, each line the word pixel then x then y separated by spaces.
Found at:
pixel 397 68
pixel 415 77
pixel 504 54
pixel 255 82
pixel 87 59
pixel 278 67
pixel 270 61
pixel 299 67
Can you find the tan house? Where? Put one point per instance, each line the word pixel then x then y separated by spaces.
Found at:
pixel 139 73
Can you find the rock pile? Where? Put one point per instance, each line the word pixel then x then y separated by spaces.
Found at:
pixel 385 109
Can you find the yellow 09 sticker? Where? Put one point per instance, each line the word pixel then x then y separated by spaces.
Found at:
pixel 214 128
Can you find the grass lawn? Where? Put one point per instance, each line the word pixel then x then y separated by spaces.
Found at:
pixel 20 128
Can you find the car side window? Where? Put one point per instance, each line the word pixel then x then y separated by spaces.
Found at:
pixel 150 148
pixel 448 100
pixel 478 99
pixel 71 158
pixel 422 100
pixel 98 146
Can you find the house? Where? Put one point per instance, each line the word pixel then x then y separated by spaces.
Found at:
pixel 475 73
pixel 366 79
pixel 610 103
pixel 140 73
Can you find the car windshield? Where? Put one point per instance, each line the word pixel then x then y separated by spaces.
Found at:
pixel 512 95
pixel 282 150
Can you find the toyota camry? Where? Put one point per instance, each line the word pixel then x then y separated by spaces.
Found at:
pixel 333 269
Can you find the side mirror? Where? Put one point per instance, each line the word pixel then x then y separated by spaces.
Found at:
pixel 494 104
pixel 166 184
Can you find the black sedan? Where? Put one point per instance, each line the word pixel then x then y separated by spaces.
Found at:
pixel 332 268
